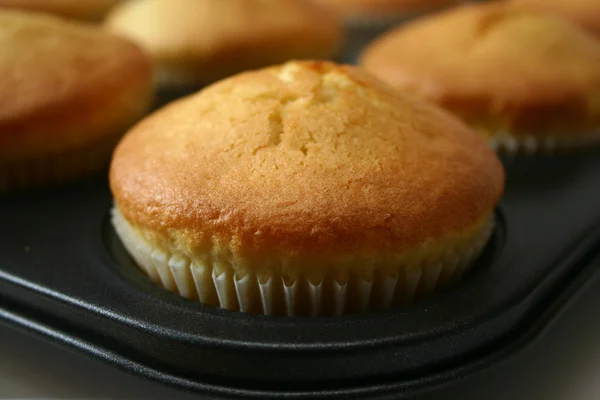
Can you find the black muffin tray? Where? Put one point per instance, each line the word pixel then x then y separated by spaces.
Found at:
pixel 64 275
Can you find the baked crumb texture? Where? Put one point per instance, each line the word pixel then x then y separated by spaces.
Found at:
pixel 304 189
pixel 528 80
pixel 69 91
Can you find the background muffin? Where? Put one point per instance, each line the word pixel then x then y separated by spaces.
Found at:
pixel 364 20
pixel 583 12
pixel 308 188
pixel 195 42
pixel 525 79
pixel 85 10
pixel 383 10
pixel 68 93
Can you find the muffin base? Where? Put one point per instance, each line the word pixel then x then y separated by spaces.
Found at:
pixel 420 275
pixel 512 144
pixel 59 167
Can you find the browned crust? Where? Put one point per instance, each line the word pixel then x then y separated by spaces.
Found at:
pixel 206 40
pixel 379 8
pixel 583 12
pixel 499 66
pixel 65 85
pixel 306 158
pixel 85 10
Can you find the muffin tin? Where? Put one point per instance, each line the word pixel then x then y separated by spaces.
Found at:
pixel 65 276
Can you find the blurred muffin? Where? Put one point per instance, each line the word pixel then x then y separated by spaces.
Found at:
pixel 68 92
pixel 85 10
pixel 194 42
pixel 583 12
pixel 373 11
pixel 303 189
pixel 364 20
pixel 527 80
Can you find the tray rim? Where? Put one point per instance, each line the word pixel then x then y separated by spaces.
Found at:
pixel 507 348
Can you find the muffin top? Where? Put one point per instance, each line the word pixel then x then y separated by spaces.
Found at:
pixel 86 10
pixel 212 39
pixel 64 83
pixel 584 12
pixel 383 8
pixel 497 65
pixel 305 157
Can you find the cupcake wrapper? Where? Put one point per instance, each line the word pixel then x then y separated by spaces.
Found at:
pixel 57 168
pixel 503 142
pixel 276 295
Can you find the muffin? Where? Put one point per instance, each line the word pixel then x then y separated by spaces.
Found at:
pixel 583 12
pixel 303 189
pixel 84 10
pixel 526 80
pixel 69 92
pixel 195 42
pixel 364 20
pixel 373 11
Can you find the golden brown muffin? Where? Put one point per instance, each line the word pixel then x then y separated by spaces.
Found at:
pixel 524 78
pixel 366 10
pixel 195 42
pixel 583 12
pixel 85 10
pixel 68 93
pixel 307 188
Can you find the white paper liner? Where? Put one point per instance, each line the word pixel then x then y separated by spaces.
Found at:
pixel 279 296
pixel 339 297
pixel 505 142
pixel 57 168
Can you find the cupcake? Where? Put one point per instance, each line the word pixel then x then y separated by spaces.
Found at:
pixel 84 10
pixel 375 11
pixel 69 92
pixel 303 189
pixel 528 81
pixel 364 20
pixel 583 12
pixel 195 42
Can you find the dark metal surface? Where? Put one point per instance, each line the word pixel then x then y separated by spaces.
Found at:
pixel 65 276
pixel 63 272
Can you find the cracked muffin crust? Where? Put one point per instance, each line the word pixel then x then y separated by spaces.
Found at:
pixel 511 72
pixel 308 174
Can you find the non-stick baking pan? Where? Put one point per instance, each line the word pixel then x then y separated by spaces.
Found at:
pixel 65 275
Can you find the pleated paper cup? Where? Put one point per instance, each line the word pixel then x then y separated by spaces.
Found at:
pixel 59 167
pixel 336 292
